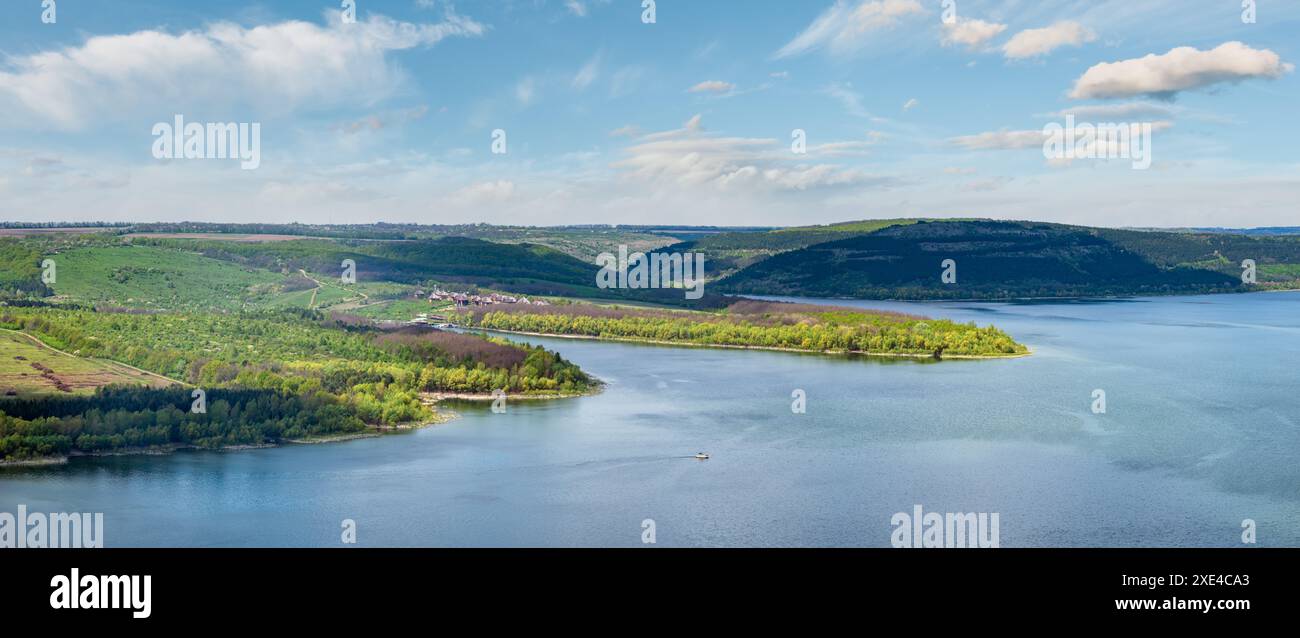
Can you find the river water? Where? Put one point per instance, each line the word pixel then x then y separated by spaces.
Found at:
pixel 1199 433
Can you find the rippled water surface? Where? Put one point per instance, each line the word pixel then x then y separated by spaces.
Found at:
pixel 1203 396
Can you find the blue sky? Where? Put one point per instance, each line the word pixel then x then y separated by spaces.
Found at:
pixel 688 119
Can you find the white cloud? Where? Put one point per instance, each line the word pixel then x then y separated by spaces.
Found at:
pixel 1180 69
pixel 713 86
pixel 1034 42
pixel 276 68
pixel 689 158
pixel 843 28
pixel 1083 141
pixel 910 104
pixel 971 33
pixel 576 8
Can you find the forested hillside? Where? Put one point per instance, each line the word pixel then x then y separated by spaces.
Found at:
pixel 993 260
pixel 327 375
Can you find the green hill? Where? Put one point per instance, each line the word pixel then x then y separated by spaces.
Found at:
pixel 150 277
pixel 732 251
pixel 518 267
pixel 993 260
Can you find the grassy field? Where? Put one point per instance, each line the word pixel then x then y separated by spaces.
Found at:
pixel 148 277
pixel 399 309
pixel 58 372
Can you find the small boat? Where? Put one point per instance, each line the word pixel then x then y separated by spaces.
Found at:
pixel 703 456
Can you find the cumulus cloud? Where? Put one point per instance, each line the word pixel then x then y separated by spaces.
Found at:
pixel 276 68
pixel 845 26
pixel 1035 42
pixel 713 86
pixel 971 33
pixel 1181 69
pixel 691 158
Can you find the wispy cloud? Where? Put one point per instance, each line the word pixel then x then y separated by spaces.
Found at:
pixel 692 158
pixel 845 26
pixel 850 99
pixel 587 74
pixel 713 86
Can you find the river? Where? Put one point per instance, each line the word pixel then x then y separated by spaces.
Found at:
pixel 1199 433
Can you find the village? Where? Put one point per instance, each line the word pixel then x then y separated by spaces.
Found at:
pixel 461 299
pixel 439 297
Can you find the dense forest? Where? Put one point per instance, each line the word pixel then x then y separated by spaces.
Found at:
pixel 20 270
pixel 757 324
pixel 117 418
pixel 993 260
pixel 349 372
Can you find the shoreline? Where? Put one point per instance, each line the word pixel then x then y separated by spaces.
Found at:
pixel 436 397
pixel 902 355
pixel 372 431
